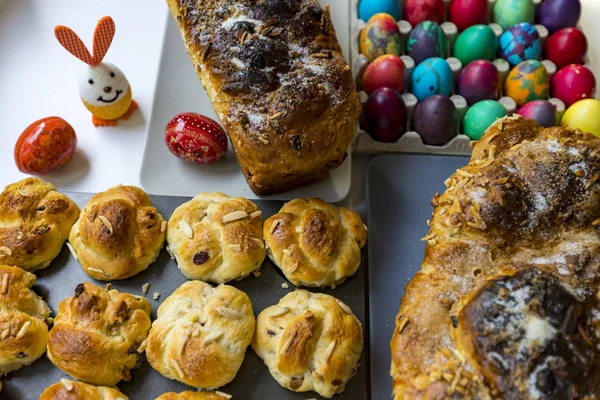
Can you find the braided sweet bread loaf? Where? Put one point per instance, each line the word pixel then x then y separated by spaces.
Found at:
pixel 505 305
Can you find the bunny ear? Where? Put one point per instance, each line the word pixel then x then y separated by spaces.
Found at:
pixel 103 36
pixel 71 42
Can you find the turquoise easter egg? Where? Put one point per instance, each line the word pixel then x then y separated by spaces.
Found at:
pixel 519 43
pixel 380 36
pixel 432 76
pixel 507 13
pixel 475 43
pixel 479 117
pixel 368 8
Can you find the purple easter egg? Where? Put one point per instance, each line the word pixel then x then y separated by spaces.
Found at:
pixel 541 111
pixel 479 80
pixel 435 119
pixel 558 14
pixel 384 115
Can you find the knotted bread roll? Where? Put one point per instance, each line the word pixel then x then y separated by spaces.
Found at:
pixel 194 396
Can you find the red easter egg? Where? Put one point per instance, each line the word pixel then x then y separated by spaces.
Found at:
pixel 196 138
pixel 385 71
pixel 45 145
pixel 417 11
pixel 573 83
pixel 466 13
pixel 566 46
pixel 384 115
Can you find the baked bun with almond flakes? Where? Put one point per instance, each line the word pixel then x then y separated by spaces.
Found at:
pixel 71 390
pixel 216 238
pixel 195 396
pixel 201 334
pixel 314 243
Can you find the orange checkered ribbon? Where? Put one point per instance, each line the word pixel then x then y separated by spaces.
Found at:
pixel 103 36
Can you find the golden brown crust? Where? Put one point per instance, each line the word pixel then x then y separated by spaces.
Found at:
pixel 118 234
pixel 23 317
pixel 35 221
pixel 193 396
pixel 504 304
pixel 309 341
pixel 226 240
pixel 279 83
pixel 97 334
pixel 71 390
pixel 315 243
pixel 201 334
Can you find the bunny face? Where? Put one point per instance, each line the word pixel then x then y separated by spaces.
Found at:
pixel 103 85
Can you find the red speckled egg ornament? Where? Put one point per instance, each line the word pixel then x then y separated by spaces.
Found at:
pixel 567 46
pixel 45 145
pixel 466 13
pixel 573 83
pixel 417 11
pixel 196 138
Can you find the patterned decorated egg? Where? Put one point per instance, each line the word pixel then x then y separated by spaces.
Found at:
pixel 558 14
pixel 45 145
pixel 526 82
pixel 466 13
pixel 426 40
pixel 475 43
pixel 583 115
pixel 479 80
pixel 566 46
pixel 380 36
pixel 507 13
pixel 196 138
pixel 573 83
pixel 519 43
pixel 368 8
pixel 432 76
pixel 385 71
pixel 417 11
pixel 480 116
pixel 384 115
pixel 541 111
pixel 435 120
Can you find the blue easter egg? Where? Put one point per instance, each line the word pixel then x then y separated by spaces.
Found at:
pixel 519 43
pixel 368 8
pixel 432 76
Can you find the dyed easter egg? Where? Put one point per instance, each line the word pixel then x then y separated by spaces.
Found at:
pixel 475 43
pixel 417 11
pixel 541 111
pixel 526 82
pixel 380 36
pixel 45 145
pixel 583 115
pixel 573 83
pixel 384 115
pixel 466 13
pixel 519 43
pixel 435 120
pixel 479 80
pixel 426 40
pixel 566 46
pixel 480 116
pixel 507 13
pixel 558 14
pixel 385 71
pixel 432 76
pixel 368 8
pixel 196 138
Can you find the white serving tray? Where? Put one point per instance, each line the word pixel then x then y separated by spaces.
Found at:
pixel 179 90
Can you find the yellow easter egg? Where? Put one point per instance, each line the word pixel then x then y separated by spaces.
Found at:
pixel 112 110
pixel 584 115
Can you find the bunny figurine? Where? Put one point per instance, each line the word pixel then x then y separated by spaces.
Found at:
pixel 103 88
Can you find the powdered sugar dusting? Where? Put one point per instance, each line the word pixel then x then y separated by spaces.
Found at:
pixel 230 22
pixel 554 146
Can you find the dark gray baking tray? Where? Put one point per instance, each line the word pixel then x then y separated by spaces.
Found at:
pixel 399 190
pixel 253 381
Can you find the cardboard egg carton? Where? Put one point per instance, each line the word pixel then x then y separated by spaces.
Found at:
pixel 411 141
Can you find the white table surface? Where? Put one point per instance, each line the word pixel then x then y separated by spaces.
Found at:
pixel 38 78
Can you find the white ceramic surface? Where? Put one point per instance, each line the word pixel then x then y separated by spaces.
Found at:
pixel 178 90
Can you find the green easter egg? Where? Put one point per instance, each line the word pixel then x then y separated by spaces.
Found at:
pixel 477 42
pixel 507 13
pixel 479 117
